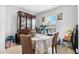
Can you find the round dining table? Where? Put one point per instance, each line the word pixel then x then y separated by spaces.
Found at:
pixel 42 43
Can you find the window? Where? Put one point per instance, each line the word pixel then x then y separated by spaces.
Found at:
pixel 52 20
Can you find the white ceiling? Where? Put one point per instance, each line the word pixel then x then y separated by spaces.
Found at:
pixel 37 8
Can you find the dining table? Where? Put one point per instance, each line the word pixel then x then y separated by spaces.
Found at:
pixel 43 43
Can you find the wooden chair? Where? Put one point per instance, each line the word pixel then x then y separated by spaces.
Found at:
pixel 54 42
pixel 26 44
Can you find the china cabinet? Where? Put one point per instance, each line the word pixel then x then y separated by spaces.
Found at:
pixel 24 24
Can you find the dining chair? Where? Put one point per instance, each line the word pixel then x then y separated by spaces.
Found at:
pixel 26 44
pixel 54 42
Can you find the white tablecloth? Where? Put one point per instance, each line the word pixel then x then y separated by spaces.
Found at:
pixel 43 42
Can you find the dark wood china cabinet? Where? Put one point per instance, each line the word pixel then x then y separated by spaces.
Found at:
pixel 24 24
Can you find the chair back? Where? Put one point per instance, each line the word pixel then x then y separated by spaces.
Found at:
pixel 55 36
pixel 26 44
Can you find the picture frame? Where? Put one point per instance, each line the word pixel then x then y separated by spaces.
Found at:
pixel 60 16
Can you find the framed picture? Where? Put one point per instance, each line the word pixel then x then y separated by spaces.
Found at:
pixel 43 19
pixel 60 16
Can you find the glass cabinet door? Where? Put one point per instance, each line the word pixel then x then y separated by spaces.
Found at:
pixel 33 23
pixel 23 23
pixel 28 23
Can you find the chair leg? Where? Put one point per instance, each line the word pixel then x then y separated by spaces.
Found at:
pixel 52 50
pixel 33 51
pixel 56 48
pixel 22 53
